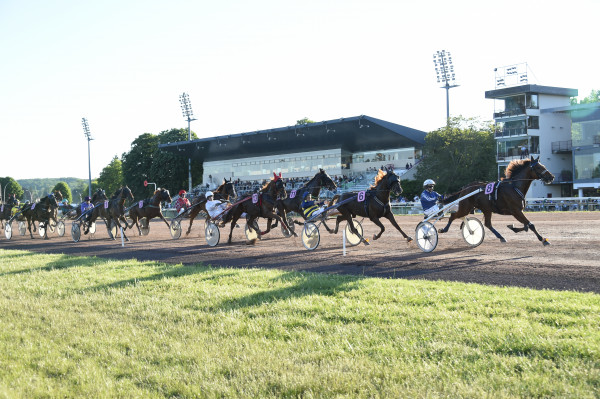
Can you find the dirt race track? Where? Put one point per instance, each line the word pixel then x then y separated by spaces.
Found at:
pixel 571 262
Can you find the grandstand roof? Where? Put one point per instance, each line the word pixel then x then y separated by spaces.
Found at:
pixel 355 134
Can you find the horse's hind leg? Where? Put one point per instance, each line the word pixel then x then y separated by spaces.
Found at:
pixel 193 215
pixel 378 224
pixel 526 226
pixel 488 223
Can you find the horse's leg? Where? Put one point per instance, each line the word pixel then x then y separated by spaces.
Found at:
pixel 193 213
pixel 526 226
pixel 350 223
pixel 163 219
pixel 234 219
pixel 29 223
pixel 487 216
pixel 392 219
pixel 337 223
pixel 378 224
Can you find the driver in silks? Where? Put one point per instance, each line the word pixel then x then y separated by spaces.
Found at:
pixel 311 208
pixel 430 198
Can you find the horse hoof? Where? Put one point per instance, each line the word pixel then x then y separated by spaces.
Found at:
pixel 408 239
pixel 546 242
pixel 502 240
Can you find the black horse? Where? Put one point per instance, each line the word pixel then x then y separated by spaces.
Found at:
pixel 508 198
pixel 376 204
pixel 313 187
pixel 43 211
pixel 150 208
pixel 100 202
pixel 116 210
pixel 263 207
pixel 225 191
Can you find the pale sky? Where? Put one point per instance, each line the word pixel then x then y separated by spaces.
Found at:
pixel 261 64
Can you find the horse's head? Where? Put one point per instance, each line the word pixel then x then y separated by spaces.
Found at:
pixel 99 195
pixel 164 195
pixel 127 194
pixel 387 180
pixel 52 202
pixel 325 181
pixel 229 189
pixel 540 171
pixel 58 195
pixel 280 189
pixel 393 182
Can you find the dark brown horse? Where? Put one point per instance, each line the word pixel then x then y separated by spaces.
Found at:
pixel 225 191
pixel 98 198
pixel 376 204
pixel 100 202
pixel 42 212
pixel 116 210
pixel 150 208
pixel 313 187
pixel 261 204
pixel 508 198
pixel 5 213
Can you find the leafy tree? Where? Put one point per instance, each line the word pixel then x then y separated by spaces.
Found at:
pixel 304 121
pixel 410 188
pixel 111 177
pixel 138 162
pixel 64 189
pixel 85 191
pixel 458 154
pixel 169 170
pixel 594 97
pixel 10 186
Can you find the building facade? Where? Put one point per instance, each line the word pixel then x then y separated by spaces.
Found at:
pixel 342 147
pixel 527 125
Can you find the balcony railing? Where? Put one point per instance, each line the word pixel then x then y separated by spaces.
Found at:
pixel 509 132
pixel 510 112
pixel 562 147
pixel 515 153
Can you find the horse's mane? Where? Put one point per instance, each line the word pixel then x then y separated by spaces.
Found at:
pixel 116 194
pixel 515 166
pixel 221 187
pixel 380 175
pixel 266 185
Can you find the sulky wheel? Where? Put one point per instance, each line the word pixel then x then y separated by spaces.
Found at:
pixel 254 233
pixel 212 234
pixel 145 226
pixel 175 229
pixel 22 228
pixel 290 221
pixel 60 228
pixel 310 236
pixel 51 227
pixel 351 238
pixel 92 228
pixel 427 236
pixel 8 230
pixel 75 232
pixel 42 229
pixel 472 231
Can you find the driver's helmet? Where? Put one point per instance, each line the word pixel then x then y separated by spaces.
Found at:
pixel 209 194
pixel 306 196
pixel 88 198
pixel 182 193
pixel 428 182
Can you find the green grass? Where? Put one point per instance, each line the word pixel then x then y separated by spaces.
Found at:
pixel 90 327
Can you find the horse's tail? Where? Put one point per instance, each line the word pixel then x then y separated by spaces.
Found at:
pixel 451 197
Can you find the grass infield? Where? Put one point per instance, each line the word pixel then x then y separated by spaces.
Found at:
pixel 91 327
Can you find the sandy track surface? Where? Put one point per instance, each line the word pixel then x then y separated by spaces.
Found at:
pixel 571 262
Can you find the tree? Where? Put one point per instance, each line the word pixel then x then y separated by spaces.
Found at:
pixel 111 177
pixel 64 189
pixel 138 162
pixel 594 97
pixel 304 121
pixel 169 170
pixel 10 186
pixel 85 191
pixel 458 154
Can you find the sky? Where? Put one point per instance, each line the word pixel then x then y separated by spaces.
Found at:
pixel 261 64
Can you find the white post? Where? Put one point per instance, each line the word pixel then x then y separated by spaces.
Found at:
pixel 122 240
pixel 344 241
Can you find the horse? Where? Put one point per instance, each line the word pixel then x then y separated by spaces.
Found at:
pixel 42 211
pixel 313 187
pixel 98 200
pixel 116 210
pixel 264 207
pixel 225 191
pixel 507 199
pixel 5 213
pixel 150 208
pixel 376 204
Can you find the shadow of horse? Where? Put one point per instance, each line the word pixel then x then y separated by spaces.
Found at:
pixel 150 208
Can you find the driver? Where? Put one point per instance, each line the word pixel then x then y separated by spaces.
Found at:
pixel 311 208
pixel 215 208
pixel 182 203
pixel 429 198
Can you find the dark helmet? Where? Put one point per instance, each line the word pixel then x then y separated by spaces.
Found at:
pixel 88 198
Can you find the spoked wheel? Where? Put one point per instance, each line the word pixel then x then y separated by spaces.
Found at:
pixel 472 231
pixel 427 236
pixel 351 238
pixel 310 236
pixel 60 228
pixel 175 229
pixel 212 234
pixel 290 221
pixel 8 230
pixel 145 226
pixel 75 232
pixel 254 233
pixel 51 227
pixel 42 229
pixel 22 228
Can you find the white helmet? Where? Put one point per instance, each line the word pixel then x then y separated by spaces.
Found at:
pixel 209 194
pixel 428 182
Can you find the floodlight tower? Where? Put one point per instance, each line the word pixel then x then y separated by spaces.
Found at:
pixel 445 75
pixel 88 135
pixel 188 114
